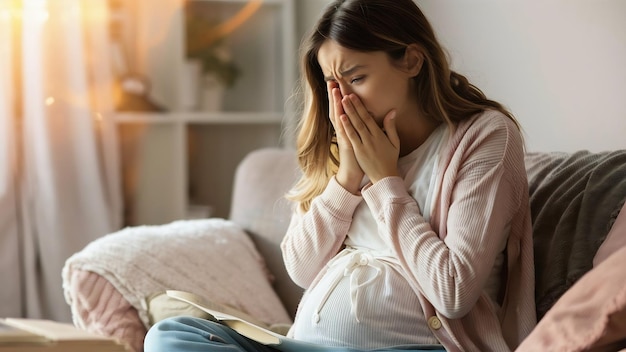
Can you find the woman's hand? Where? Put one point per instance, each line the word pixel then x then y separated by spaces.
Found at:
pixel 350 173
pixel 376 150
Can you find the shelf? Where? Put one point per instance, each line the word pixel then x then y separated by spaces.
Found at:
pixel 263 48
pixel 276 2
pixel 249 118
pixel 180 163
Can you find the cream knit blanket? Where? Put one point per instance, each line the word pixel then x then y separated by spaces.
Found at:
pixel 210 257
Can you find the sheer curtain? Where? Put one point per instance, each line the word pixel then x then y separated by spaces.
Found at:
pixel 59 176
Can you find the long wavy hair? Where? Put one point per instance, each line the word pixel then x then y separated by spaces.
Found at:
pixel 367 26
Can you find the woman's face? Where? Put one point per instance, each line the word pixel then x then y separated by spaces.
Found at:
pixel 380 84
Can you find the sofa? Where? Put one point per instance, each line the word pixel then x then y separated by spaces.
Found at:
pixel 115 285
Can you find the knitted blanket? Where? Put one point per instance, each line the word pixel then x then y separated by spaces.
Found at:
pixel 211 257
pixel 574 200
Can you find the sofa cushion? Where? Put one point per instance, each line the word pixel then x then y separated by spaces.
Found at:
pixel 591 316
pixel 572 197
pixel 99 308
pixel 615 240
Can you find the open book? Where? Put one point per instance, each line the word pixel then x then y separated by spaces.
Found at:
pixel 237 320
pixel 34 335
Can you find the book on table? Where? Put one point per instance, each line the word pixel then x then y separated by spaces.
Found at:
pixel 34 335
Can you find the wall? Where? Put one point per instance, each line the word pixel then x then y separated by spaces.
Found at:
pixel 558 65
pixel 307 12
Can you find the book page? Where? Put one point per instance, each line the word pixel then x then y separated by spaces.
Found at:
pixel 52 330
pixel 237 320
pixel 12 334
pixel 35 335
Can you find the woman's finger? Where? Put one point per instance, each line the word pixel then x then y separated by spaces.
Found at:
pixel 390 129
pixel 366 117
pixel 331 101
pixel 349 131
pixel 337 102
pixel 355 118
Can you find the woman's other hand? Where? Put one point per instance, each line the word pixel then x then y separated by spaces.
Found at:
pixel 376 150
pixel 350 173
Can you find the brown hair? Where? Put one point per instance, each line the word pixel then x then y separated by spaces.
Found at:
pixel 374 25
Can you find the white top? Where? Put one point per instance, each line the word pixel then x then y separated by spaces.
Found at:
pixel 364 291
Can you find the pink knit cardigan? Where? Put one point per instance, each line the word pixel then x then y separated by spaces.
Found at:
pixel 481 190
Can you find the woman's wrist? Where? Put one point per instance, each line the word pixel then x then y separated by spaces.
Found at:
pixel 351 182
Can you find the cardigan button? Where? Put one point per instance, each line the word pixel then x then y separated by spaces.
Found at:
pixel 434 323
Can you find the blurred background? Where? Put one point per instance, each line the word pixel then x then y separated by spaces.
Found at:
pixel 116 113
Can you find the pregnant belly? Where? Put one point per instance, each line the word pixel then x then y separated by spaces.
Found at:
pixel 361 302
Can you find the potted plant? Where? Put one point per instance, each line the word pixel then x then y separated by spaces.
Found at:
pixel 211 54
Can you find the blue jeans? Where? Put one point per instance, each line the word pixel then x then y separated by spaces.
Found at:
pixel 199 335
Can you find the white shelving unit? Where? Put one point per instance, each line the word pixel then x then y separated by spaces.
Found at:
pixel 180 164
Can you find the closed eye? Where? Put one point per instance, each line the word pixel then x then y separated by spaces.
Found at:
pixel 357 79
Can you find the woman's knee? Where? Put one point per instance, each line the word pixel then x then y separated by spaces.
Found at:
pixel 167 334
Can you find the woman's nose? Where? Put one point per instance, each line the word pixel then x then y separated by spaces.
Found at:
pixel 345 89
